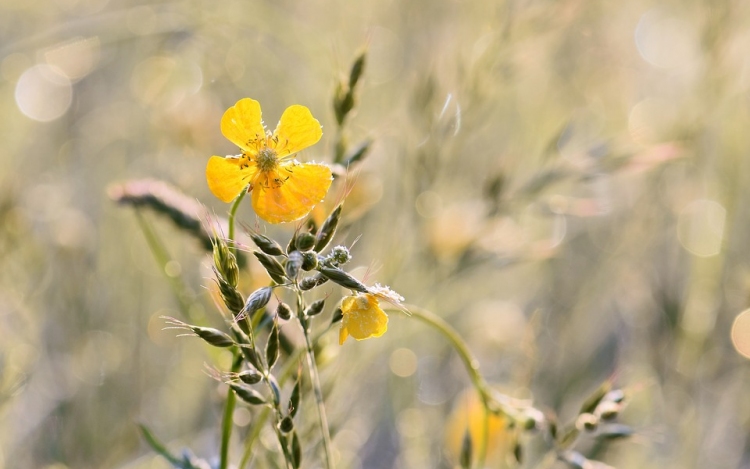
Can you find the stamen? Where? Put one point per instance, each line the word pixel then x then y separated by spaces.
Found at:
pixel 266 159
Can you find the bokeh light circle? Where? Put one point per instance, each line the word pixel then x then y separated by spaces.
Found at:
pixel 43 93
pixel 700 227
pixel 741 333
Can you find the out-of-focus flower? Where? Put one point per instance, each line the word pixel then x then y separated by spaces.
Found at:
pixel 468 416
pixel 283 189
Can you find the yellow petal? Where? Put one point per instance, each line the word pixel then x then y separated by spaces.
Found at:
pixel 363 317
pixel 227 177
pixel 297 130
pixel 242 124
pixel 343 334
pixel 290 192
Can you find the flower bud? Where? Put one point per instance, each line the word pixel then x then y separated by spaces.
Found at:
pixel 213 336
pixel 293 264
pixel 587 422
pixel 325 235
pixel 283 311
pixel 344 279
pixel 266 244
pixel 304 241
pixel 250 377
pixel 309 261
pixel 308 283
pixel 257 301
pixel 315 308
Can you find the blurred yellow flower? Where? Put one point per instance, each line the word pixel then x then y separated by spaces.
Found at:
pixel 363 317
pixel 468 416
pixel 283 189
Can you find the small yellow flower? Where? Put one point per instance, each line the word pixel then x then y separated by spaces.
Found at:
pixel 283 189
pixel 363 317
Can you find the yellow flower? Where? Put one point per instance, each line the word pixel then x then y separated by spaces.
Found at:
pixel 363 317
pixel 283 189
pixel 468 415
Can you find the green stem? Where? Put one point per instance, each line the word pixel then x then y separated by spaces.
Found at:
pixel 318 391
pixel 226 423
pixel 232 213
pixel 284 374
pixel 312 369
pixel 162 257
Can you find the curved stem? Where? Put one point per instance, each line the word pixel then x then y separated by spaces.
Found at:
pixel 226 423
pixel 470 363
pixel 162 257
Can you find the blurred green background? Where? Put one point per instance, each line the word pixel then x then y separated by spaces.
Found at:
pixel 563 181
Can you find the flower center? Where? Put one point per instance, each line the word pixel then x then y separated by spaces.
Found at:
pixel 266 159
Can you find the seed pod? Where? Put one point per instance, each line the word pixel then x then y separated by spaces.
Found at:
pixel 296 451
pixel 532 421
pixel 325 235
pixel 247 394
pixel 292 244
pixel 616 395
pixel 308 283
pixel 587 422
pixel 339 95
pixel 615 432
pixel 340 255
pixel 465 457
pixel 293 405
pixel 342 278
pixel 275 388
pixel 304 242
pixel 357 154
pixel 266 244
pixel 273 267
pixel 251 356
pixel 596 397
pixel 575 460
pixel 232 298
pixel 338 315
pixel 225 262
pixel 315 308
pixel 286 425
pixel 608 410
pixel 272 346
pixel 283 311
pixel 257 301
pixel 309 261
pixel 213 336
pixel 518 452
pixel 250 377
pixel 293 264
pixel 358 68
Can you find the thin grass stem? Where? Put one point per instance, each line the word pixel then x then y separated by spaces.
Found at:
pixel 162 257
pixel 231 401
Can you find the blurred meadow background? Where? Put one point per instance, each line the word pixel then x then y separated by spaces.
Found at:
pixel 564 182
